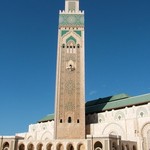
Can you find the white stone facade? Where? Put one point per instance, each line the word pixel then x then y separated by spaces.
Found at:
pixel 130 123
pixel 128 129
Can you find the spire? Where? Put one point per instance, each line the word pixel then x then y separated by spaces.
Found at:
pixel 71 5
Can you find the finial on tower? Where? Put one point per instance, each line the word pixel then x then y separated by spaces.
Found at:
pixel 71 6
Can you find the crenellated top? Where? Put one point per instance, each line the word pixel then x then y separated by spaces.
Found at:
pixel 71 12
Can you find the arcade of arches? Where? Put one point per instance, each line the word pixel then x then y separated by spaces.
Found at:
pixel 97 145
pixel 50 146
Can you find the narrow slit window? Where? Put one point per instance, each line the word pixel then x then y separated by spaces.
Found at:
pixel 78 121
pixel 60 120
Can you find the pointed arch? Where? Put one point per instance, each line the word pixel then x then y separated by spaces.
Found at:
pixel 29 137
pixel 119 115
pixel 114 128
pixel 141 112
pixel 47 136
pixel 71 38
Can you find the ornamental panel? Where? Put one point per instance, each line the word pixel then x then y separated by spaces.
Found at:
pixel 71 20
pixel 70 86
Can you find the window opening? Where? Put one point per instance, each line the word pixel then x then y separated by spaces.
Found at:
pixel 69 119
pixel 119 117
pixel 63 46
pixel 141 114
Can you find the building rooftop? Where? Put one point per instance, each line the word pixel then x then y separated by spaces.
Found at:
pixel 49 117
pixel 115 102
pixel 108 103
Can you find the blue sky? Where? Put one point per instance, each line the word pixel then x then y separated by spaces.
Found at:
pixel 117 35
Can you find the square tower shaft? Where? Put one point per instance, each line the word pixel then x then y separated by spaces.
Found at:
pixel 70 78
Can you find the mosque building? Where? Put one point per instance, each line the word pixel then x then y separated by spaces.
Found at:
pixel 119 122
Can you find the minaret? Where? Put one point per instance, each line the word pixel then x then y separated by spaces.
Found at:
pixel 70 84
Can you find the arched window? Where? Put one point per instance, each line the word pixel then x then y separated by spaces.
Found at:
pixel 81 147
pixel 21 147
pixel 114 146
pixel 98 146
pixel 71 48
pixel 39 146
pixel 59 147
pixel 126 147
pixel 70 147
pixel 134 147
pixel 63 46
pixel 49 146
pixel 30 147
pixel 119 117
pixel 6 146
pixel 69 119
pixel 141 114
pixel 78 45
pixel 122 148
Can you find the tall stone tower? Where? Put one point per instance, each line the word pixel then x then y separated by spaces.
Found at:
pixel 70 90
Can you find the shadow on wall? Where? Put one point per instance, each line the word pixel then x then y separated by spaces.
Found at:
pixel 100 105
pixel 94 107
